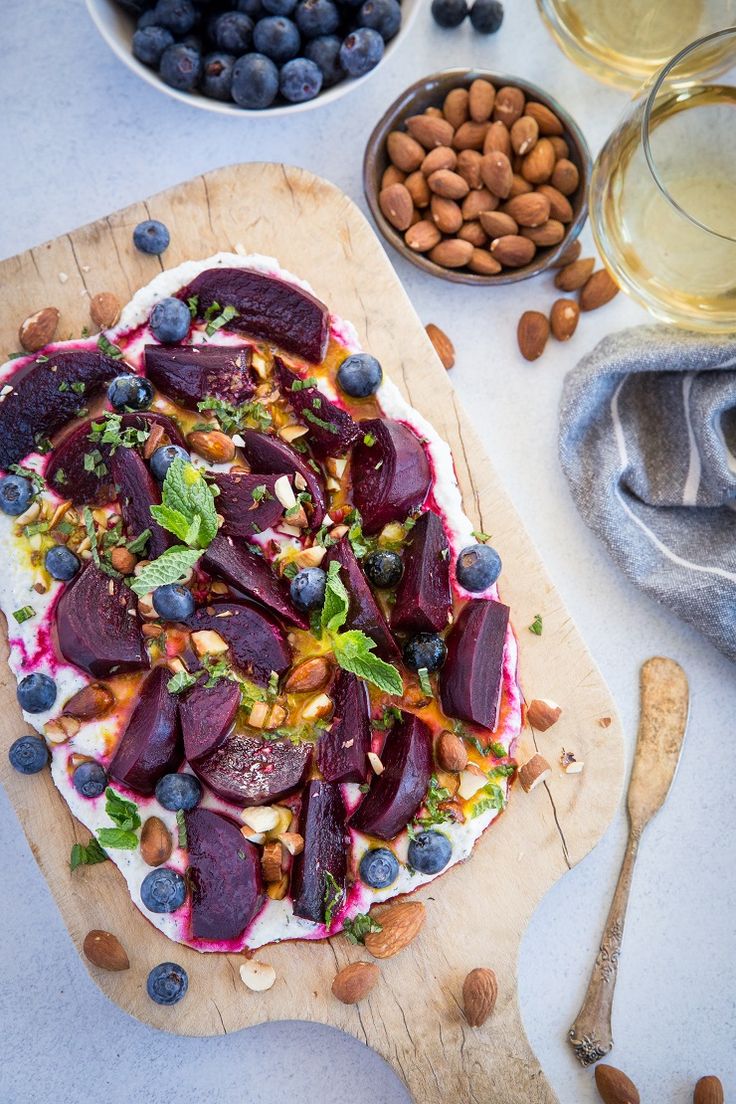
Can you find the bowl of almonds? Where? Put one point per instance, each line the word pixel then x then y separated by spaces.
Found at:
pixel 478 177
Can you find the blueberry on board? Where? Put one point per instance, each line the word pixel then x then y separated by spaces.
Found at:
pixel 429 852
pixel 61 563
pixel 90 779
pixel 151 236
pixel 163 890
pixel 178 16
pixel 232 32
pixel 149 44
pixel 276 37
pixel 167 983
pixel 36 692
pixel 317 17
pixel 383 568
pixel 255 81
pixel 486 16
pixel 383 16
pixel 449 13
pixel 163 458
pixel 307 588
pixel 478 566
pixel 130 392
pixel 178 791
pixel 170 320
pixel 278 7
pixel 425 650
pixel 181 66
pixel 173 602
pixel 379 868
pixel 325 52
pixel 217 76
pixel 360 374
pixel 361 51
pixel 16 493
pixel 300 80
pixel 28 754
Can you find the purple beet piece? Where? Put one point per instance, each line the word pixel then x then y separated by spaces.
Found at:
pixel 364 612
pixel 190 373
pixel 470 681
pixel 43 399
pixel 224 875
pixel 424 596
pixel 392 476
pixel 137 493
pixel 395 795
pixel 151 743
pixel 268 308
pixel 207 713
pixel 94 628
pixel 332 432
pixel 248 770
pixel 249 573
pixel 245 515
pixel 257 642
pixel 325 852
pixel 342 748
pixel 268 453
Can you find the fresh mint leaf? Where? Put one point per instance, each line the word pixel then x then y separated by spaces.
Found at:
pixel 170 567
pixel 353 651
pixel 433 813
pixel 30 474
pixel 180 682
pixel 424 682
pixel 222 319
pixel 118 838
pixel 25 613
pixel 108 348
pixel 334 894
pixel 140 541
pixel 187 505
pixel 176 523
pixel 480 536
pixel 359 927
pixel 536 625
pixel 232 418
pixel 181 825
pixel 86 854
pixel 493 798
pixel 120 811
pixel 89 525
pixel 336 603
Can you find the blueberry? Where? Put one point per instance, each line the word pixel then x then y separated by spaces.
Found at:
pixel 151 236
pixel 167 983
pixel 16 493
pixel 383 16
pixel 90 779
pixel 163 890
pixel 449 13
pixel 300 80
pixel 149 44
pixel 325 52
pixel 426 650
pixel 379 868
pixel 360 374
pixel 164 457
pixel 317 17
pixel 308 588
pixel 181 66
pixel 384 569
pixel 361 51
pixel 478 566
pixel 276 37
pixel 429 852
pixel 28 754
pixel 148 19
pixel 36 693
pixel 178 16
pixel 178 791
pixel 217 76
pixel 173 602
pixel 486 16
pixel 232 32
pixel 170 320
pixel 61 563
pixel 250 7
pixel 130 392
pixel 255 81
pixel 278 7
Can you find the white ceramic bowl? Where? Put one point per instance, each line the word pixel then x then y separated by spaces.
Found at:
pixel 117 26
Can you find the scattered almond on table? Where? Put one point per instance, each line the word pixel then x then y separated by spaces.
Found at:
pixel 614 1087
pixel 480 991
pixel 442 345
pixel 105 951
pixel 708 1090
pixel 38 329
pixel 104 309
pixel 354 982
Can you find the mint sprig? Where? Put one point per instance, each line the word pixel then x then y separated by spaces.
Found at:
pixel 86 854
pixel 124 815
pixel 187 505
pixel 170 567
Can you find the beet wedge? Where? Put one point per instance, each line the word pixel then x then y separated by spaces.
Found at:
pixel 257 643
pixel 424 595
pixel 207 713
pixel 151 743
pixel 396 794
pixel 249 573
pixel 137 492
pixel 190 373
pixel 248 770
pixel 471 679
pixel 343 747
pixel 325 853
pixel 268 308
pixel 391 477
pixel 247 503
pixel 95 629
pixel 364 612
pixel 332 432
pixel 47 395
pixel 267 453
pixel 224 876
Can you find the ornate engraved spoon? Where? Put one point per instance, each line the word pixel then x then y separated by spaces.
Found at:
pixel 662 723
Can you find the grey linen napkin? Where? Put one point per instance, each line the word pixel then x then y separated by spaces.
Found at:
pixel 648 445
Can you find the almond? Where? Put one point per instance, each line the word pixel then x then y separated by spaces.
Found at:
pixel 442 345
pixel 560 207
pixel 392 175
pixel 451 753
pixel 563 318
pixel 496 173
pixel 208 642
pixel 449 185
pixel 451 253
pixel 354 982
pixel 531 209
pixel 123 560
pixel 38 329
pixel 436 112
pixel 271 861
pixel 423 236
pixel 539 163
pixel 404 151
pixel 532 333
pixel 565 176
pixel 519 186
pixel 614 1086
pixel 456 107
pixel 293 842
pixel 481 97
pixel 524 134
pixel 474 233
pixel 259 977
pixel 94 700
pixel 156 842
pixel 570 254
pixel 154 440
pixel 441 158
pixel 483 264
pixel 213 445
pixel 397 205
pixel 105 950
pixel 497 224
pixel 309 675
pixel 574 275
pixel 400 923
pixel 320 705
pixel 497 139
pixel 534 772
pixel 470 136
pixel 104 309
pixel 542 713
pixel 545 119
pixel 480 990
pixel 476 201
pixel 430 131
pixel 560 147
pixel 513 251
pixel 550 232
pixel 598 290
pixel 446 214
pixel 708 1090
pixel 509 105
pixel 468 167
pixel 417 187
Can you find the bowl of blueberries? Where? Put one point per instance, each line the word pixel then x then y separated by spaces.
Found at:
pixel 247 56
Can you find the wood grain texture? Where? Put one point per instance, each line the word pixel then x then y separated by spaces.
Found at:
pixel 477 912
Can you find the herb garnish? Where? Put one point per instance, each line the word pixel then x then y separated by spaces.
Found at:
pixel 124 815
pixel 233 418
pixel 108 348
pixel 215 324
pixel 426 685
pixel 359 927
pixel 536 625
pixel 86 854
pixel 333 897
pixel 25 613
pixel 433 814
pixel 480 536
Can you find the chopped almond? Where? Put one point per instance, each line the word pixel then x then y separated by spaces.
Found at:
pixel 534 772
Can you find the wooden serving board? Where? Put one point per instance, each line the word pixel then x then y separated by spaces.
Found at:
pixel 477 912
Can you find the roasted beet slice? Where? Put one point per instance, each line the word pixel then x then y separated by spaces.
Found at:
pixel 391 477
pixel 224 876
pixel 331 429
pixel 207 713
pixel 342 748
pixel 151 743
pixel 47 395
pixel 245 506
pixel 257 642
pixel 267 307
pixel 268 453
pixel 189 373
pixel 248 770
pixel 95 628
pixel 137 492
pixel 424 596
pixel 470 681
pixel 325 852
pixel 395 795
pixel 248 572
pixel 364 612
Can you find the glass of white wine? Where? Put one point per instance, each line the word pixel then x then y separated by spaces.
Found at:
pixel 663 190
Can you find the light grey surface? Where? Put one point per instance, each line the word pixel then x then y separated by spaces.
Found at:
pixel 80 137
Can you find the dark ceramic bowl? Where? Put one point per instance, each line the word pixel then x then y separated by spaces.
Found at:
pixel 431 92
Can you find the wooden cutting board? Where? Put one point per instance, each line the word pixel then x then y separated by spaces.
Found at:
pixel 477 912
